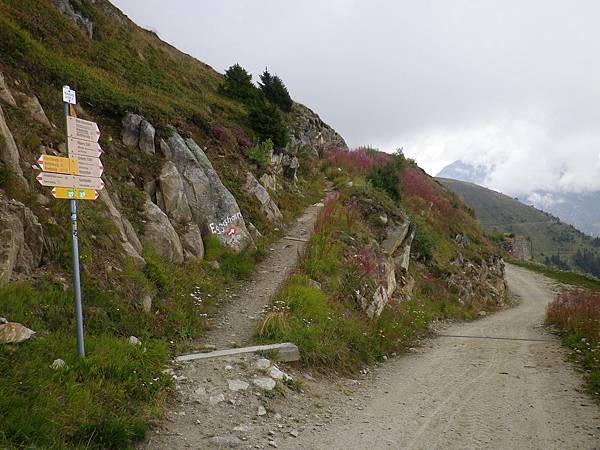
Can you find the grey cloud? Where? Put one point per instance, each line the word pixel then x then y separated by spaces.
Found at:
pixel 503 83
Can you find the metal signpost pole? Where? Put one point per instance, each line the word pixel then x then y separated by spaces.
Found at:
pixel 76 273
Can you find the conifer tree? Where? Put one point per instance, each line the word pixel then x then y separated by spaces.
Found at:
pixel 275 91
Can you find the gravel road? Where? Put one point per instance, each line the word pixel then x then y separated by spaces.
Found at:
pixel 506 386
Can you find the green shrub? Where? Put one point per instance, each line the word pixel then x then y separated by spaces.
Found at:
pixel 386 179
pixel 265 119
pixel 424 243
pixel 260 153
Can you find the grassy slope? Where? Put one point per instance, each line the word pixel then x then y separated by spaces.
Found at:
pixel 327 324
pixel 498 212
pixel 108 400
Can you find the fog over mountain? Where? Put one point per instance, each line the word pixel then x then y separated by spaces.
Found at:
pixel 509 85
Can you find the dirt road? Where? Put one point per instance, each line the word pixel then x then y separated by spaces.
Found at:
pixel 505 387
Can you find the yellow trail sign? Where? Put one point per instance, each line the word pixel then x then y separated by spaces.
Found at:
pixel 74 194
pixel 57 164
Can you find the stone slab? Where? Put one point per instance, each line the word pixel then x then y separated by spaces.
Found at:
pixel 285 352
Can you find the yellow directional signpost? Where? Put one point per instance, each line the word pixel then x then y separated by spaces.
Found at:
pixel 74 194
pixel 75 178
pixel 57 164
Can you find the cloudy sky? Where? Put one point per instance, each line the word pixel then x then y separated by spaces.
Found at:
pixel 513 85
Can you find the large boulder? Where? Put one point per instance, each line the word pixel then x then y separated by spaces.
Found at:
pixel 31 104
pixel 172 194
pixel 146 140
pixel 21 239
pixel 129 240
pixel 9 153
pixel 191 241
pixel 213 207
pixel 5 94
pixel 131 129
pixel 267 205
pixel 160 234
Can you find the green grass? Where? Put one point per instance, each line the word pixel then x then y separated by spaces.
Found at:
pixel 565 277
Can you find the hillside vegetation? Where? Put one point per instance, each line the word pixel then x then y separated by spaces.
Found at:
pixel 454 271
pixel 552 241
pixel 190 155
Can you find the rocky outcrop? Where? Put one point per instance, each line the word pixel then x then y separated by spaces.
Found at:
pixel 146 139
pixel 130 133
pixel 137 132
pixel 9 153
pixel 21 239
pixel 483 280
pixel 392 277
pixel 518 247
pixel 269 181
pixel 5 94
pixel 171 196
pixel 67 10
pixel 191 241
pixel 308 133
pixel 267 205
pixel 31 104
pixel 374 305
pixel 130 242
pixel 160 234
pixel 213 207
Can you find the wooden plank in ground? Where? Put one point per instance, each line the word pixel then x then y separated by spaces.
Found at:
pixel 285 352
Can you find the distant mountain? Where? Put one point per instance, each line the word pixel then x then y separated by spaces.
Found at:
pixel 580 209
pixel 549 236
pixel 462 171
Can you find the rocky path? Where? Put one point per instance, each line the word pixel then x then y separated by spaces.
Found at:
pixel 239 313
pixel 497 383
pixel 216 396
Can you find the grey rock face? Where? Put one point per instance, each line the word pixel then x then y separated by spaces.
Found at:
pixel 213 207
pixel 146 139
pixel 383 294
pixel 67 10
pixel 308 133
pixel 402 254
pixel 191 241
pixel 131 129
pixel 269 181
pixel 32 105
pixel 9 153
pixel 290 165
pixel 267 205
pixel 395 235
pixel 21 239
pixel 130 242
pixel 159 233
pixel 5 94
pixel 173 196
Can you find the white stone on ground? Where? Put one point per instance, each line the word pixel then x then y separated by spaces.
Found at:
pixel 263 363
pixel 237 385
pixel 266 383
